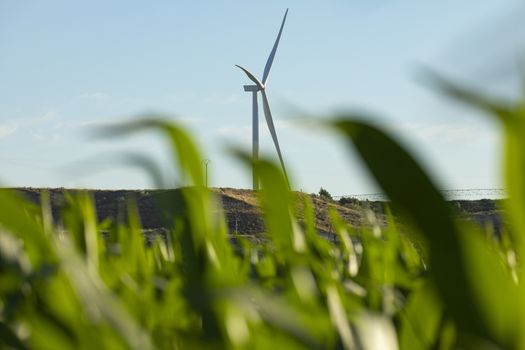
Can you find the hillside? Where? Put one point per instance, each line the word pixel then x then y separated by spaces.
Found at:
pixel 242 211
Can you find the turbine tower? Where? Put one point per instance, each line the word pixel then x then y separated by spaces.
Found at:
pixel 260 86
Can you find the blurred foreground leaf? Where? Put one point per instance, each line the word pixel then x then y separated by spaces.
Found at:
pixel 415 196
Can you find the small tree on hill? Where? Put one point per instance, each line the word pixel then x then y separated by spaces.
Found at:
pixel 325 194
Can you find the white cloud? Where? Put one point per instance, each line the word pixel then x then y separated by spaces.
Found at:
pixel 41 128
pixel 44 118
pixel 98 122
pixel 53 137
pixel 283 124
pixel 446 133
pixel 6 130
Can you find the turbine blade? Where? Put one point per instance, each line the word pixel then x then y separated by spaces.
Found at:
pixel 269 62
pixel 252 77
pixel 271 127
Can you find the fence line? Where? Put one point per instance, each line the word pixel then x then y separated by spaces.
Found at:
pixel 454 194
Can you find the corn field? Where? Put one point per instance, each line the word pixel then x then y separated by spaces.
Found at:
pixel 422 281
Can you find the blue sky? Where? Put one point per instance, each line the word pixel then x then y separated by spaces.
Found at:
pixel 68 66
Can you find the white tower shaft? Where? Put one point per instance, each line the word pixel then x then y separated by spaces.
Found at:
pixel 255 137
pixel 254 89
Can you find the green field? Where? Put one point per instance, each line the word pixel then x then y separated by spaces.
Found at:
pixel 430 283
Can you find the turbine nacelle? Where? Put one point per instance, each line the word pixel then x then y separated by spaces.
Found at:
pixel 251 88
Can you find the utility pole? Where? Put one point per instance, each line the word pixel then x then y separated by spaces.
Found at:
pixel 206 162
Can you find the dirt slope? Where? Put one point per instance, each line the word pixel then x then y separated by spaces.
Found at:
pixel 244 216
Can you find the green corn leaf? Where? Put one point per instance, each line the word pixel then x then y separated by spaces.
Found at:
pixel 512 118
pixel 22 218
pixel 276 202
pixel 9 339
pixel 420 319
pixel 413 193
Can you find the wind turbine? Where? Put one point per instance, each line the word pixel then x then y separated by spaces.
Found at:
pixel 260 86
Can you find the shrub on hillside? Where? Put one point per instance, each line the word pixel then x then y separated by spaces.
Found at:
pixel 325 194
pixel 348 200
